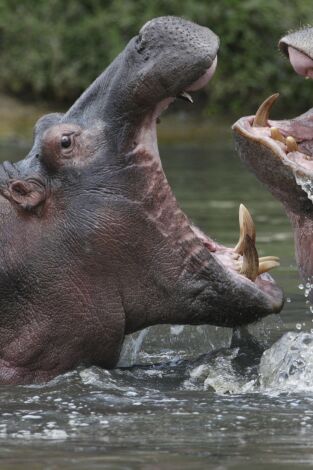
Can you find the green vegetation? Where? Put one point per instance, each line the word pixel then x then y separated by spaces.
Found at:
pixel 53 49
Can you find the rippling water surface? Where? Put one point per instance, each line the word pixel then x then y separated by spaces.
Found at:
pixel 182 398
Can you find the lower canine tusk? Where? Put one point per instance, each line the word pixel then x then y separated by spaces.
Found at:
pixel 246 226
pixel 250 264
pixel 265 266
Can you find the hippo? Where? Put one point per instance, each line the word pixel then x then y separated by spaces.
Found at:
pixel 280 153
pixel 94 245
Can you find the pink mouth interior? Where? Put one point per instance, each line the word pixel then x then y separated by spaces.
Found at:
pixel 300 128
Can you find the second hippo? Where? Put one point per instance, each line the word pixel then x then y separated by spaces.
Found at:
pixel 280 153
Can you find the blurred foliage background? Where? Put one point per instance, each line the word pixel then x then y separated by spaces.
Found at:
pixel 53 49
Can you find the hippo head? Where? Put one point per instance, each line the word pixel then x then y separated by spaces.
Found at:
pixel 280 153
pixel 93 242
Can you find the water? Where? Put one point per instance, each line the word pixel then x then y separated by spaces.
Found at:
pixel 182 398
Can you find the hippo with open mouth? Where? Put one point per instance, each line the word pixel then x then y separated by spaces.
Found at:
pixel 280 153
pixel 93 243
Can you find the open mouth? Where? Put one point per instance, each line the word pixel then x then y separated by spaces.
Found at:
pixel 241 261
pixel 280 153
pixel 290 140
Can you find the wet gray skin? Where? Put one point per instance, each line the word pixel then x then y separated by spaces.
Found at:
pixel 93 243
pixel 282 158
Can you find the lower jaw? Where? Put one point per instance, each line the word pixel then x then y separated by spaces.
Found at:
pixel 243 260
pixel 291 140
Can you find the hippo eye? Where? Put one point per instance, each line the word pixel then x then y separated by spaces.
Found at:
pixel 66 141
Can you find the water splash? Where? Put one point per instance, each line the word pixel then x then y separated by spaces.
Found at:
pixel 220 375
pixel 163 343
pixel 131 348
pixel 306 184
pixel 288 365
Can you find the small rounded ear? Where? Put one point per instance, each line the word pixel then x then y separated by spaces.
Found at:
pixel 27 194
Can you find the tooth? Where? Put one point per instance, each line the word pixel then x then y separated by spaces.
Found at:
pixel 268 258
pixel 291 143
pixel 262 114
pixel 250 263
pixel 185 96
pixel 276 135
pixel 237 266
pixel 247 227
pixel 265 266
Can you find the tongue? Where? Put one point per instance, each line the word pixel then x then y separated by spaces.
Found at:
pixel 302 64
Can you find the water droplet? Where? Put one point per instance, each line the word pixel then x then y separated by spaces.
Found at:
pixel 298 326
pixel 288 300
pixel 177 329
pixel 301 286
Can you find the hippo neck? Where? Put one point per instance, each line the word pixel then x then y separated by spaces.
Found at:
pixel 303 230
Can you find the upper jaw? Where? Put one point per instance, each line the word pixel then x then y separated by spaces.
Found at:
pixel 185 91
pixel 145 135
pixel 298 48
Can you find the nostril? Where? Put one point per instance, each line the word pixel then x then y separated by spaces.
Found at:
pixel 9 169
pixel 139 44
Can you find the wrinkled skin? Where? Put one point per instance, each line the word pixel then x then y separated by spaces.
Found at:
pixel 288 173
pixel 93 243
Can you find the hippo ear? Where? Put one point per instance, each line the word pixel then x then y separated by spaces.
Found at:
pixel 27 194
